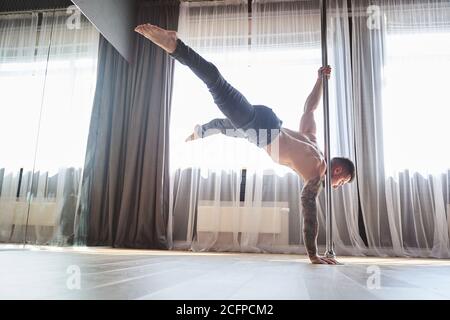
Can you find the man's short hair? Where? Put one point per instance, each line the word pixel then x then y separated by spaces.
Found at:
pixel 346 164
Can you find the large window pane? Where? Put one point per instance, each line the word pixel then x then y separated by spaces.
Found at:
pixel 46 104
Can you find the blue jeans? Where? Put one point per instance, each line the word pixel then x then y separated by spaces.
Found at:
pixel 257 123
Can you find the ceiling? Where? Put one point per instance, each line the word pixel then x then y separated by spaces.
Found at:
pixel 24 5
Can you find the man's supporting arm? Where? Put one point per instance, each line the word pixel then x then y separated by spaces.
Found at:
pixel 310 222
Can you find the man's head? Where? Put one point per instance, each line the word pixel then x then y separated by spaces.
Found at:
pixel 342 171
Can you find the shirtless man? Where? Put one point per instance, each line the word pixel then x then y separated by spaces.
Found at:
pixel 260 125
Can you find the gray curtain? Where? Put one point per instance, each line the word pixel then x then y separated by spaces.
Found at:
pixel 125 194
pixel 367 73
pixel 403 201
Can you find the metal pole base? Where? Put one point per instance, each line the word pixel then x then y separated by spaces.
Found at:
pixel 330 254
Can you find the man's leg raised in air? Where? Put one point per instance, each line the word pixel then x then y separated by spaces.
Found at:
pixel 216 126
pixel 229 100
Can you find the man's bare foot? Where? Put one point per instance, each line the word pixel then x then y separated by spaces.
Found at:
pixel 194 135
pixel 165 39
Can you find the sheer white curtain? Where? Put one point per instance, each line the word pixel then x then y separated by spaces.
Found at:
pixel 21 85
pixel 207 174
pixel 347 235
pixel 46 105
pixel 401 59
pixel 272 58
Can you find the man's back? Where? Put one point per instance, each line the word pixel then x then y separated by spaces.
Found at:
pixel 298 152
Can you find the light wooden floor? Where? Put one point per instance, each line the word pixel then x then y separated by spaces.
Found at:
pixel 45 273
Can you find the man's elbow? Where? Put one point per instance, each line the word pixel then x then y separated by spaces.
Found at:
pixel 309 107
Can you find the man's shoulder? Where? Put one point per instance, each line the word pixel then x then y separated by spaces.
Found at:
pixel 304 138
pixel 312 138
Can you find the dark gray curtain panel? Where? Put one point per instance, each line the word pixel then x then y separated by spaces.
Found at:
pixel 125 190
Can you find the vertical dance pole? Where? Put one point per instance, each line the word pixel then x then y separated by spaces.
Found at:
pixel 329 252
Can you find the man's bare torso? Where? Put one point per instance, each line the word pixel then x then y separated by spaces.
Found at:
pixel 298 152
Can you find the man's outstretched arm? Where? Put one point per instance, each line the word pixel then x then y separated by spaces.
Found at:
pixel 307 122
pixel 310 222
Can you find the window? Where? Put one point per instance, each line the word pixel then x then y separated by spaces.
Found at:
pixel 416 100
pixel 278 76
pixel 47 83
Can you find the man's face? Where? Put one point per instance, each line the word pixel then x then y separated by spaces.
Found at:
pixel 337 182
pixel 339 178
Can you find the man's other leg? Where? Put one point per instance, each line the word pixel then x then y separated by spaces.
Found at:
pixel 229 100
pixel 216 126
